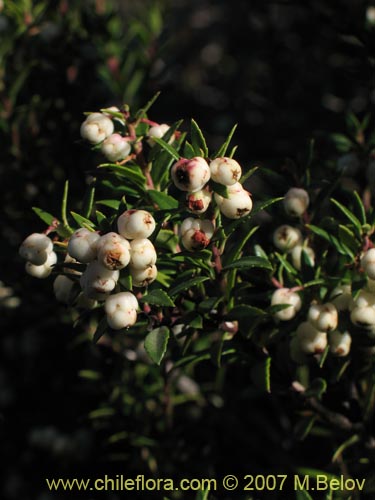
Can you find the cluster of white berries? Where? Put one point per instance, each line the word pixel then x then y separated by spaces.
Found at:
pixel 37 249
pixel 98 128
pixel 288 238
pixel 321 327
pixel 105 257
pixel 192 176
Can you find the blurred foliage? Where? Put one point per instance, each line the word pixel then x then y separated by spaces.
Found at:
pixel 282 70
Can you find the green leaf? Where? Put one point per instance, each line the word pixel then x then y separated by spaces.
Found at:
pixel 163 200
pixel 147 106
pixel 348 240
pixel 45 216
pixel 102 413
pixel 188 150
pixel 156 343
pixel 158 297
pixel 346 444
pixel 248 174
pixel 186 285
pixel 115 204
pixel 350 216
pixel 352 123
pixel 234 253
pixel 82 221
pixel 223 149
pixel 245 312
pixel 198 141
pixel 343 144
pixel 316 389
pixel 90 374
pixel 360 207
pixel 101 329
pixel 250 262
pixel 219 188
pixel 261 374
pixel 328 237
pixel 304 426
pixel 88 200
pixel 132 174
pixel 171 150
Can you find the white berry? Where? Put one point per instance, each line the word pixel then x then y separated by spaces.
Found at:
pixel 134 224
pixel 115 147
pixel 225 171
pixel 296 255
pixel 286 296
pixel 98 280
pixel 190 174
pixel 44 270
pixel 199 201
pixel 363 317
pixel 368 263
pixel 82 245
pixel 121 310
pixel 311 340
pixel 324 317
pixel 237 204
pixel 196 233
pixel 96 128
pixel 158 131
pixel 36 248
pixel 113 251
pixel 143 277
pixel 341 297
pixel 142 253
pixel 296 202
pixel 339 343
pixel 286 237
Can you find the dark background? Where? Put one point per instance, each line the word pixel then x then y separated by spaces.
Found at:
pixel 285 72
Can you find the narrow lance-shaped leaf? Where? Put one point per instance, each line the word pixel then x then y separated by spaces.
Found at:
pixel 198 140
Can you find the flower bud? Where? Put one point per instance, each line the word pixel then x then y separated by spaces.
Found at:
pixel 142 253
pixel 115 147
pixel 133 224
pixel 97 280
pixel 339 343
pixel 121 310
pixel 44 270
pixel 196 233
pixel 36 248
pixel 190 174
pixel 143 277
pixel 225 171
pixel 237 204
pixel 287 237
pixel 62 287
pixel 113 251
pixel 158 131
pixel 341 297
pixel 199 201
pixel 311 340
pixel 296 254
pixel 296 202
pixel 368 263
pixel 323 317
pixel 363 317
pixel 82 245
pixel 286 296
pixel 96 128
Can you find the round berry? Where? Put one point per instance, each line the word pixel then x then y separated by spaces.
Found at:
pixel 296 254
pixel 190 174
pixel 142 253
pixel 225 171
pixel 121 310
pixel 98 280
pixel 339 343
pixel 158 131
pixel 368 263
pixel 296 202
pixel 324 317
pixel 96 128
pixel 44 270
pixel 143 277
pixel 82 245
pixel 311 340
pixel 115 147
pixel 133 224
pixel 286 296
pixel 196 233
pixel 287 237
pixel 199 201
pixel 62 287
pixel 237 204
pixel 36 248
pixel 113 251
